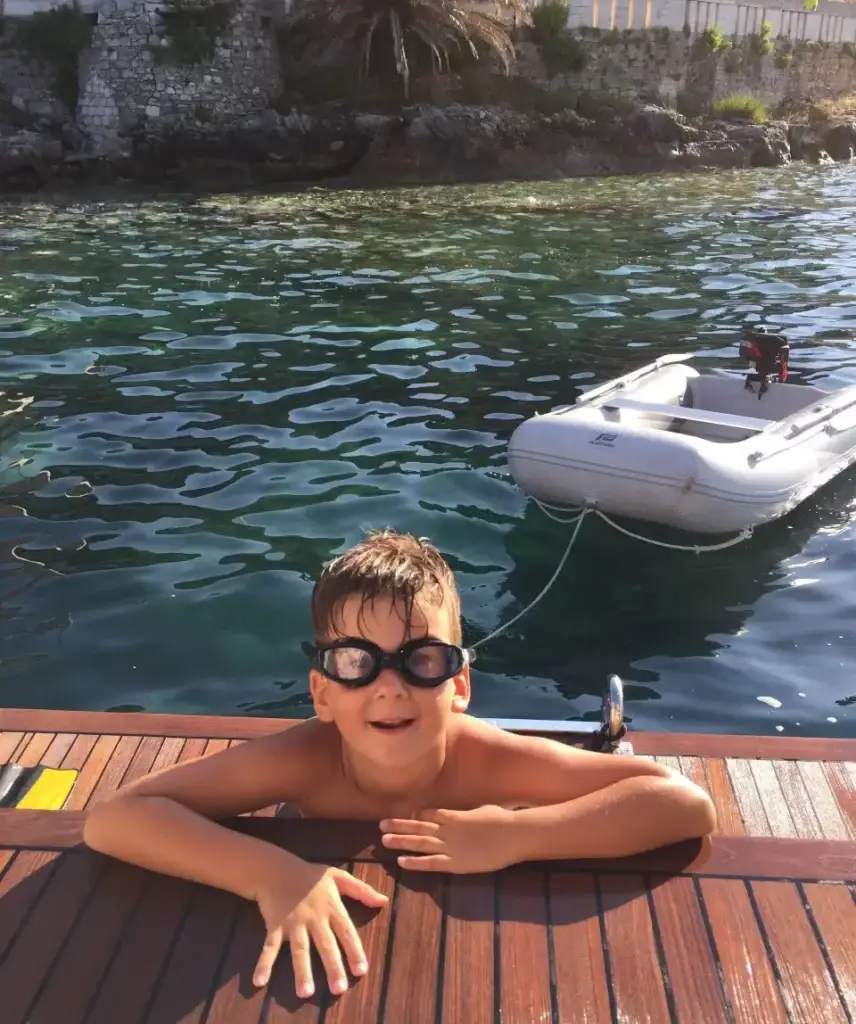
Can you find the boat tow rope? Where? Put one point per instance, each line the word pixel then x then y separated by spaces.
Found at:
pixel 578 516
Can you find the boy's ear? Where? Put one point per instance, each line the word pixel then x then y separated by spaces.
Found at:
pixel 319 689
pixel 461 698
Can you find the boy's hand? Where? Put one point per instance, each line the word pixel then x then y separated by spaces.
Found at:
pixel 320 917
pixel 461 842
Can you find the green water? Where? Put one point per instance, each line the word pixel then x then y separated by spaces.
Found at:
pixel 228 391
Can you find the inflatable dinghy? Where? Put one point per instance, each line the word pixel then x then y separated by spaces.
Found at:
pixel 706 452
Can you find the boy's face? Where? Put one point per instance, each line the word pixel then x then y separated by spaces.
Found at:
pixel 390 722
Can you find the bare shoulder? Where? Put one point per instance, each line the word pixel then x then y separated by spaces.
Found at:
pixel 538 770
pixel 247 776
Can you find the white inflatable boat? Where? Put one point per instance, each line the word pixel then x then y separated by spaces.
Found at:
pixel 704 452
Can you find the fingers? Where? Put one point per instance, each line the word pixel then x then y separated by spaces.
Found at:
pixel 331 957
pixel 410 826
pixel 434 862
pixel 419 844
pixel 301 962
pixel 356 888
pixel 269 953
pixel 351 943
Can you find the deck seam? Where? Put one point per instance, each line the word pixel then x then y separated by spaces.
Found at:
pixel 714 949
pixel 387 956
pixel 5 867
pixel 117 946
pixel 661 952
pixel 104 767
pixel 551 948
pixel 497 948
pixel 84 906
pixel 768 948
pixel 52 870
pixel 169 952
pixel 607 959
pixel 440 982
pixel 824 952
pixel 755 767
pixel 221 963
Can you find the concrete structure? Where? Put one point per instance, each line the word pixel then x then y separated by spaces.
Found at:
pixel 831 22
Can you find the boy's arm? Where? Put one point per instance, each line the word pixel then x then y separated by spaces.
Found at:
pixel 161 821
pixel 584 804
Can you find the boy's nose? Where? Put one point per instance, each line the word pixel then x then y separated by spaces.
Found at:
pixel 390 683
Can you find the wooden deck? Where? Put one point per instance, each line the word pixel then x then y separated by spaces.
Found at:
pixel 757 925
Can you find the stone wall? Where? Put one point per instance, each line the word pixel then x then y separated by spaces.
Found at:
pixel 130 84
pixel 660 66
pixel 26 85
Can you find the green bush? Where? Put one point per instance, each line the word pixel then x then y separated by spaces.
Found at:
pixel 193 28
pixel 560 50
pixel 762 42
pixel 740 107
pixel 711 41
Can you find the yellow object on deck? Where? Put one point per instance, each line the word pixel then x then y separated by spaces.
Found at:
pixel 35 789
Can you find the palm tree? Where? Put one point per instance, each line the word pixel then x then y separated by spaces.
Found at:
pixel 433 25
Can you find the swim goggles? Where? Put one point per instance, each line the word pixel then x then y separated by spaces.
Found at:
pixel 354 662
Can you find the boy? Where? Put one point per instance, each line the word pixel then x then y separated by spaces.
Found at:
pixel 391 742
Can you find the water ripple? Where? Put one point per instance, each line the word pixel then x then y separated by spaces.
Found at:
pixel 229 391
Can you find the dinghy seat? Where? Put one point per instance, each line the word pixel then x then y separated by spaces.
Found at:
pixel 688 413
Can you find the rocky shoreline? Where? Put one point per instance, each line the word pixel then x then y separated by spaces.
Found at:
pixel 420 145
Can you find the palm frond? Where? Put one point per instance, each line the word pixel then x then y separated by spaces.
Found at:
pixel 432 26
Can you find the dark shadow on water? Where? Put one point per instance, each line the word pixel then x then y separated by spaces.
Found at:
pixel 619 601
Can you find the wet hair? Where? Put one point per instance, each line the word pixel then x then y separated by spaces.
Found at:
pixel 387 564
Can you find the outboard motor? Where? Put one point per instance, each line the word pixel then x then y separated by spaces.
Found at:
pixel 768 353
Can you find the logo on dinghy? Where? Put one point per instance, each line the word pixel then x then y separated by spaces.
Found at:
pixel 605 440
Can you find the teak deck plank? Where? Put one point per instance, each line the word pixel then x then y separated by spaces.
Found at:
pixel 805 983
pixel 834 914
pixel 92 771
pixel 10 742
pixel 638 984
pixel 186 986
pixel 22 884
pixel 748 797
pixel 750 983
pixel 843 787
pixel 363 998
pixel 243 727
pixel 523 947
pixel 468 978
pixel 757 786
pixel 578 954
pixel 35 749
pixel 90 947
pixel 730 820
pixel 236 1000
pixel 691 964
pixel 44 933
pixel 411 985
pixel 130 983
pixel 796 797
pixel 822 798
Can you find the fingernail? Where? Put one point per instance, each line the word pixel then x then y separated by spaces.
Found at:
pixel 305 991
pixel 339 986
pixel 360 967
pixel 384 823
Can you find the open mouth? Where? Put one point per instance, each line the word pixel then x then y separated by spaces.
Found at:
pixel 393 724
